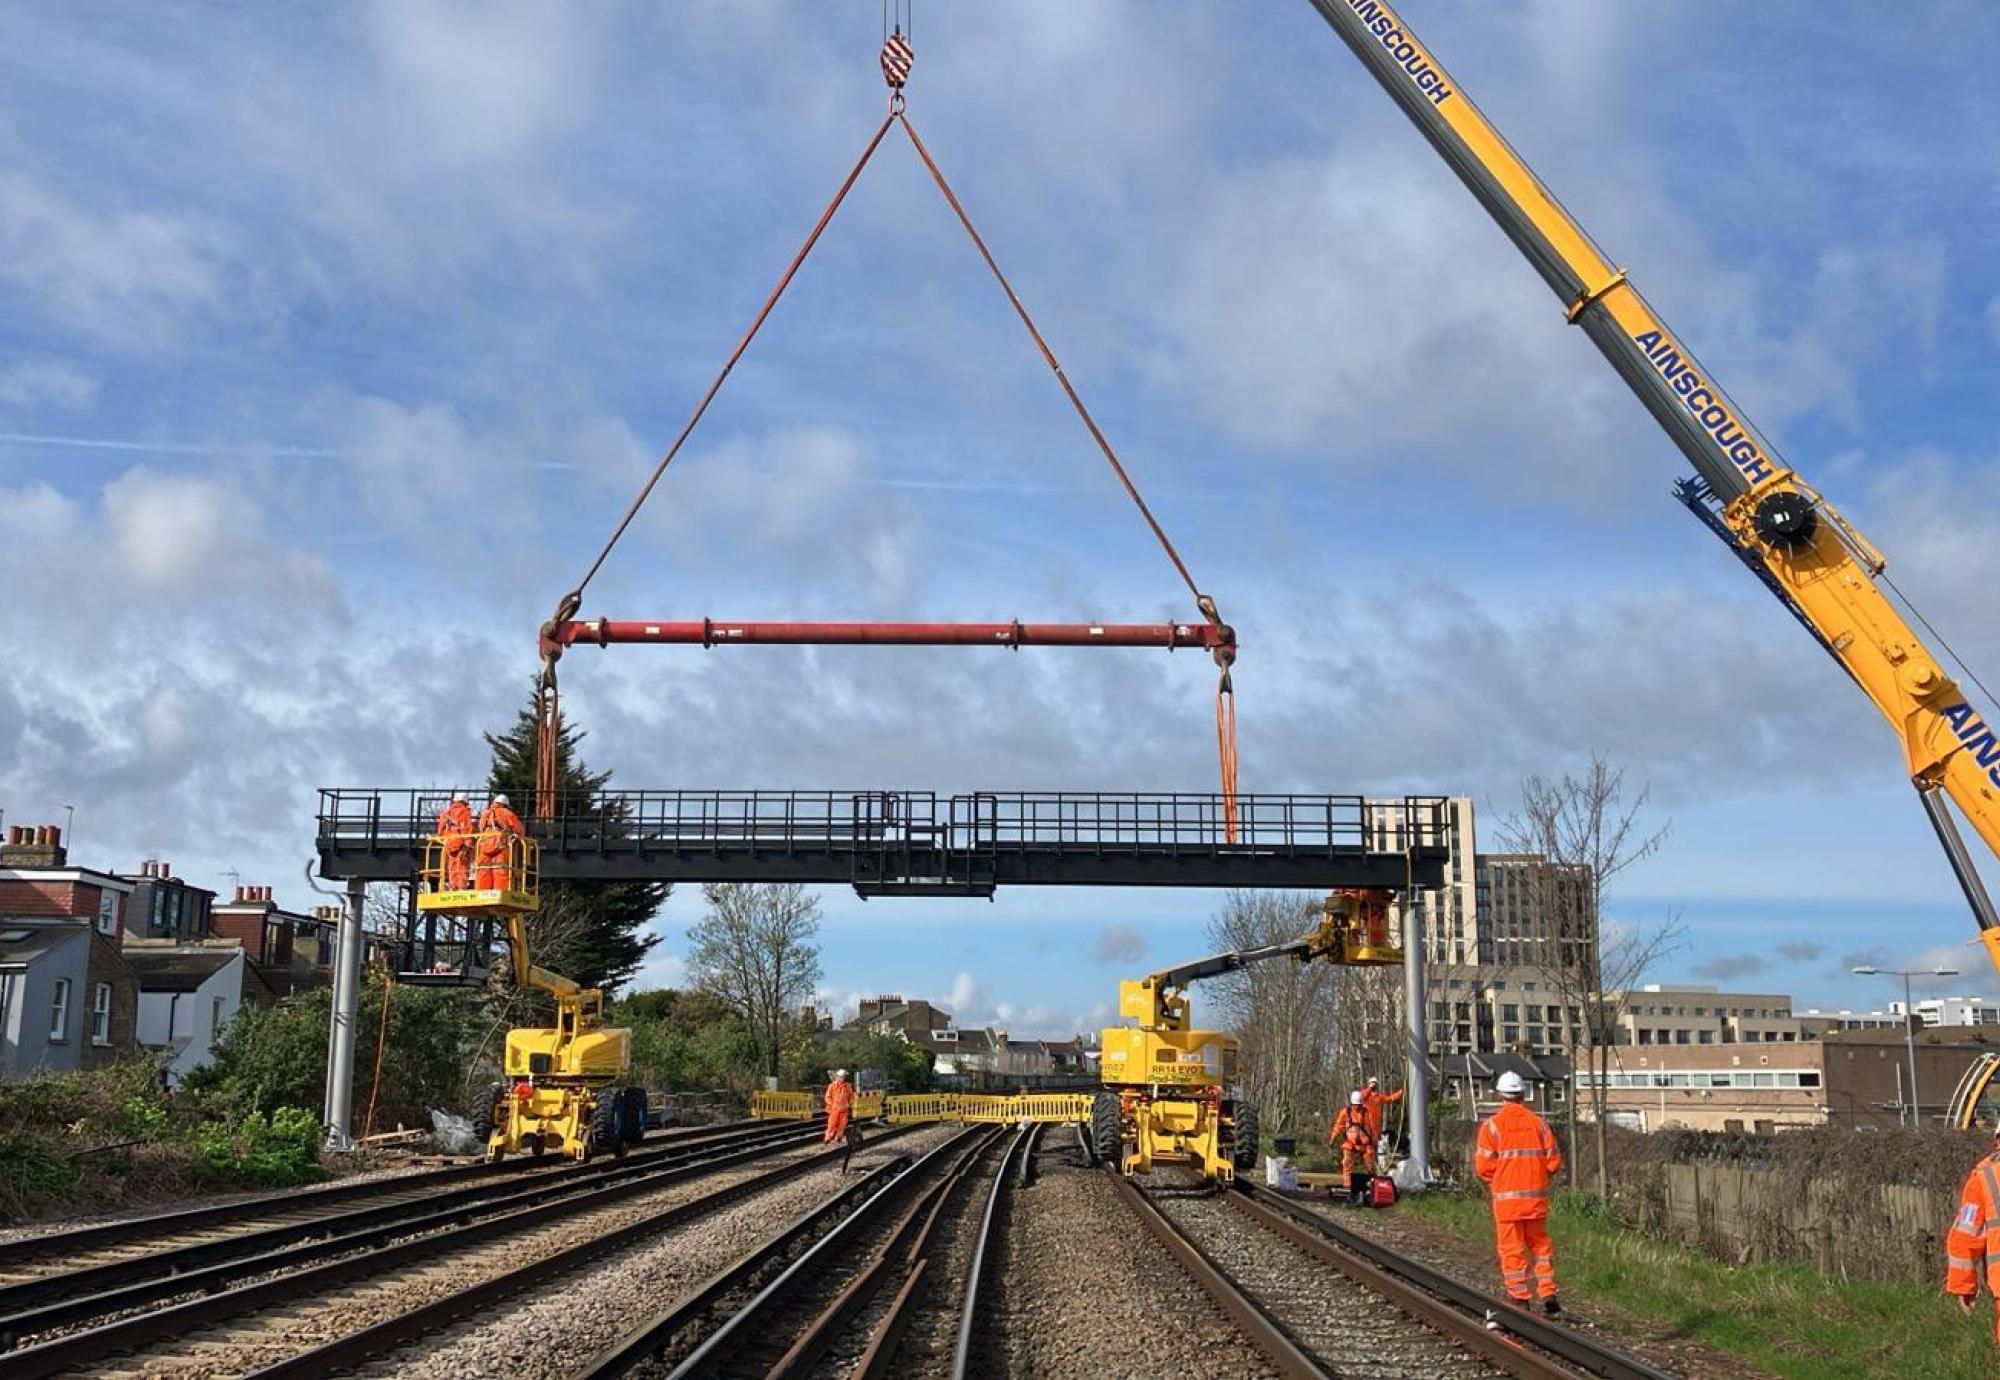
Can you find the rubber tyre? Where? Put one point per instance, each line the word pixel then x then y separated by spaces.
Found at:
pixel 605 1120
pixel 633 1112
pixel 482 1115
pixel 1243 1152
pixel 1107 1130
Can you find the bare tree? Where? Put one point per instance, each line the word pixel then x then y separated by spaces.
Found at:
pixel 754 950
pixel 1579 834
pixel 1283 1014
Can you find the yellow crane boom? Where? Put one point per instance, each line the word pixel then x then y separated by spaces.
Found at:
pixel 1808 553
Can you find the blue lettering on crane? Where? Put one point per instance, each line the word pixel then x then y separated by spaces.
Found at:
pixel 1979 739
pixel 1412 59
pixel 1731 437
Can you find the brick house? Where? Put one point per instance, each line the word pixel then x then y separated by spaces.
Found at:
pixel 67 996
pixel 291 952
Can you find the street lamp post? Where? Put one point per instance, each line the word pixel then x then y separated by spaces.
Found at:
pixel 1909 1011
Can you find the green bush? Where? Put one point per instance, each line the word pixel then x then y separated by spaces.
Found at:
pixel 274 1151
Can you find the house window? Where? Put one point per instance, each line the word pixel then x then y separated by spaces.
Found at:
pixel 215 1016
pixel 1809 1079
pixel 107 913
pixel 100 1014
pixel 59 1013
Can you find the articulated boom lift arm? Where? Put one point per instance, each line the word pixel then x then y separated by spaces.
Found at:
pixel 1349 931
pixel 1821 567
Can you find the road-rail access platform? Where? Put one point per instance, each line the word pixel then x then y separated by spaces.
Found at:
pixel 921 843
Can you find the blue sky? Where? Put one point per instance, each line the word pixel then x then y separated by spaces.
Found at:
pixel 333 339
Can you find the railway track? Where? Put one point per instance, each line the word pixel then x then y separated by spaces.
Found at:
pixel 70 1249
pixel 1317 1300
pixel 306 1297
pixel 881 1278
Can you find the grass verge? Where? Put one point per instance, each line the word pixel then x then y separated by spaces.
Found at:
pixel 1788 1319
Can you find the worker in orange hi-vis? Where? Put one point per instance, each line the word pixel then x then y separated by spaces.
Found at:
pixel 1375 1099
pixel 1972 1246
pixel 1350 1135
pixel 839 1102
pixel 498 826
pixel 454 827
pixel 1516 1154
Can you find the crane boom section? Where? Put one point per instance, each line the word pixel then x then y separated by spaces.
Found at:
pixel 1827 569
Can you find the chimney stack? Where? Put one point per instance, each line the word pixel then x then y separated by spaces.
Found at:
pixel 33 845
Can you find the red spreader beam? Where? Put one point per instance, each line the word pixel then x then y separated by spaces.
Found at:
pixel 709 632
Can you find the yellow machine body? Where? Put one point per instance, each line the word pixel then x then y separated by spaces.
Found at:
pixel 564 1088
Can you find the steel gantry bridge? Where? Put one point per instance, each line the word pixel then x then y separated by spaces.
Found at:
pixel 921 843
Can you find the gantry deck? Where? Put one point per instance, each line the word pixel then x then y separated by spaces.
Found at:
pixel 923 843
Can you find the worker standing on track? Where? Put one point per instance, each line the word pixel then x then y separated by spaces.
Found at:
pixel 499 826
pixel 1375 1099
pixel 1357 1147
pixel 454 827
pixel 839 1102
pixel 1974 1238
pixel 1516 1154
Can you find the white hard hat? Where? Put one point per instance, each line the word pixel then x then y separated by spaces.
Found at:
pixel 1374 1082
pixel 500 800
pixel 458 797
pixel 1354 1099
pixel 840 1073
pixel 1510 1084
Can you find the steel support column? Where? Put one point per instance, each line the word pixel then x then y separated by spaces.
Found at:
pixel 339 1108
pixel 1417 1098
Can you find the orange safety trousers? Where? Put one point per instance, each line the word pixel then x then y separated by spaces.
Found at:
pixel 1520 1243
pixel 836 1124
pixel 455 828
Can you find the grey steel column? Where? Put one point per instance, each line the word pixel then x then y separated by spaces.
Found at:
pixel 1417 1098
pixel 340 1030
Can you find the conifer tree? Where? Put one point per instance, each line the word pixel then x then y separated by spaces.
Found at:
pixel 593 932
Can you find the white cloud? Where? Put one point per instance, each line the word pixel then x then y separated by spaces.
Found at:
pixel 131 278
pixel 35 382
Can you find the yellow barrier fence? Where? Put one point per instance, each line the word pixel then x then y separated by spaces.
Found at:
pixel 989 1107
pixel 912 1107
pixel 783 1106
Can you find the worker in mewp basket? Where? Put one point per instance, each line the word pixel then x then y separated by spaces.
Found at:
pixel 498 827
pixel 454 827
pixel 1356 1143
pixel 1516 1154
pixel 1972 1246
pixel 839 1102
pixel 1375 1099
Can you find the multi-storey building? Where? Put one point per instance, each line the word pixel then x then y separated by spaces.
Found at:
pixel 1663 1014
pixel 1493 935
pixel 1937 1011
pixel 67 996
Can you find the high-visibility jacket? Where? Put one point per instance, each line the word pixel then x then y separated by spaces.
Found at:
pixel 1374 1099
pixel 1974 1239
pixel 455 820
pixel 839 1096
pixel 1356 1142
pixel 1515 1153
pixel 500 819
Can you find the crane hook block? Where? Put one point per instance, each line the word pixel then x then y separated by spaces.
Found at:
pixel 898 57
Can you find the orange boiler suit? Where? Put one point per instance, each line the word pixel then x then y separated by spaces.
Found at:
pixel 1516 1154
pixel 495 826
pixel 1972 1246
pixel 1357 1149
pixel 839 1102
pixel 454 826
pixel 1374 1099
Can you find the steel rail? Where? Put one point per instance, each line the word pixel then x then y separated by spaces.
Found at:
pixel 880 1353
pixel 975 1274
pixel 638 1346
pixel 1552 1337
pixel 359 1347
pixel 117 1286
pixel 907 1240
pixel 35 1300
pixel 1262 1330
pixel 719 1345
pixel 1467 1329
pixel 376 1250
